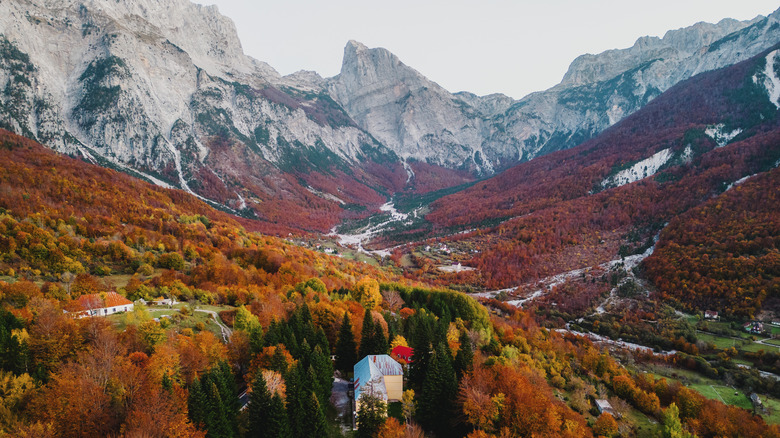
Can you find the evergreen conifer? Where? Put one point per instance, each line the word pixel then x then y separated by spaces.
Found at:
pixel 346 347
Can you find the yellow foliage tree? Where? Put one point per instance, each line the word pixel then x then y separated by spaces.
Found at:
pixel 367 293
pixel 399 341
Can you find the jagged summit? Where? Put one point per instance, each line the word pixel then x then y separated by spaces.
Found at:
pixel 680 43
pixel 412 115
pixel 419 119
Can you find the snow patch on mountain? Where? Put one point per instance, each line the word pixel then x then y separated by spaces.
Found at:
pixel 771 81
pixel 409 171
pixel 640 170
pixel 327 196
pixel 721 137
pixel 739 181
pixel 687 155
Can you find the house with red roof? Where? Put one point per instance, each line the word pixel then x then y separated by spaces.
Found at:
pixel 102 304
pixel 402 354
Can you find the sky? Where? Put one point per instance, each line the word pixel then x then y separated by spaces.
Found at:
pixel 488 46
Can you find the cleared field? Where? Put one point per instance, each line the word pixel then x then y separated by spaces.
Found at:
pixel 645 427
pixel 773 407
pixel 176 319
pixel 726 394
pixel 754 347
pixel 719 341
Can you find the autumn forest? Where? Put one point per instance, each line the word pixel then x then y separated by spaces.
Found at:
pixel 548 300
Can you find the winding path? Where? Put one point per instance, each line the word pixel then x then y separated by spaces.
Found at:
pixel 226 332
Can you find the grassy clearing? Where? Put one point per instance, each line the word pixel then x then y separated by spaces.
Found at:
pixel 178 321
pixel 645 426
pixel 754 347
pixel 360 257
pixel 121 280
pixel 773 410
pixel 719 341
pixel 726 394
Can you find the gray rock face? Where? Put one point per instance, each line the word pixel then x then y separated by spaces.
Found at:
pixel 408 113
pixel 418 119
pixel 163 88
pixel 152 85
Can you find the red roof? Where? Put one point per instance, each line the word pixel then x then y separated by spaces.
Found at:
pixel 96 301
pixel 402 352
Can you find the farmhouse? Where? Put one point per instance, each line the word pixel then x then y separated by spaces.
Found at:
pixel 711 314
pixel 383 374
pixel 100 305
pixel 754 327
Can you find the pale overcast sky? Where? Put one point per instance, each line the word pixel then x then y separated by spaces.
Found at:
pixel 489 46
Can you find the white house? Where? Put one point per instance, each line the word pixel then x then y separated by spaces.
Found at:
pixel 383 373
pixel 100 305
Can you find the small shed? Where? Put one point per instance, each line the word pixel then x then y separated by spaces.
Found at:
pixel 711 314
pixel 756 400
pixel 603 406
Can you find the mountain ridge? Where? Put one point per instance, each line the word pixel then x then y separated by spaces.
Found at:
pixel 130 85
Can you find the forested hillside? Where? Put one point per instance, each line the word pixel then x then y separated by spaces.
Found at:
pixel 609 197
pixel 724 253
pixel 69 229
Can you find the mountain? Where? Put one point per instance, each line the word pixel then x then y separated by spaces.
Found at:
pixel 419 120
pixel 671 171
pixel 163 90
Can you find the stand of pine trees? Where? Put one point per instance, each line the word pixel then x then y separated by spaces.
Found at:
pixel 214 404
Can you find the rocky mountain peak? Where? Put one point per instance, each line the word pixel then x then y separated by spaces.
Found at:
pixel 679 43
pixel 363 67
pixel 209 38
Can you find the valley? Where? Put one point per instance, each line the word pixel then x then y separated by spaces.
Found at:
pixel 194 245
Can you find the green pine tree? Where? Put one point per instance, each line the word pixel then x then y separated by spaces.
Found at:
pixel 278 425
pixel 197 403
pixel 229 393
pixel 420 339
pixel 279 361
pixel 256 341
pixel 259 407
pixel 323 368
pixel 464 357
pixel 379 341
pixel 267 414
pixel 273 335
pixel 438 393
pixel 366 336
pixel 321 340
pixel 346 348
pixel 217 422
pixel 295 398
pixel 314 424
pixel 304 354
pixel 371 414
